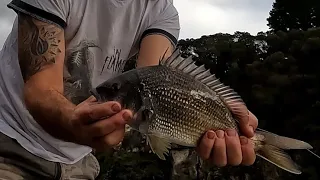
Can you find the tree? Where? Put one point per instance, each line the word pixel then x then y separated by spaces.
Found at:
pixel 294 14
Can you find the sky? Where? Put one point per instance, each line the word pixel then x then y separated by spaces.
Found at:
pixel 197 17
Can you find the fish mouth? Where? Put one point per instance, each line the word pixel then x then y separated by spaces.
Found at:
pixel 95 94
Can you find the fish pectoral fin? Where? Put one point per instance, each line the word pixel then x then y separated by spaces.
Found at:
pixel 279 158
pixel 159 146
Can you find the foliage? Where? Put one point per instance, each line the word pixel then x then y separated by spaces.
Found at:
pixel 294 14
pixel 278 76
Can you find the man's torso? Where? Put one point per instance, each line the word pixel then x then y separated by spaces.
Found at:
pixel 100 37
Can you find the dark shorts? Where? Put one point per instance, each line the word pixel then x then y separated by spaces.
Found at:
pixel 16 163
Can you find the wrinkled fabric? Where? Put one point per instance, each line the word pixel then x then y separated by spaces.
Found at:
pixel 16 163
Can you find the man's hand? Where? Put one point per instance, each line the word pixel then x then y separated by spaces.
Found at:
pixel 226 147
pixel 99 125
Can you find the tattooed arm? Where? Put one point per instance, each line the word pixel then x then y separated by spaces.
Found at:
pixel 41 56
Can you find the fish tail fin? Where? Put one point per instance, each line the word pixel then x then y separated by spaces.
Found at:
pixel 316 155
pixel 272 150
pixel 281 141
pixel 279 158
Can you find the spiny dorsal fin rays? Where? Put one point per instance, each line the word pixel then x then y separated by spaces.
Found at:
pixel 173 56
pixel 186 62
pixel 177 62
pixel 213 82
pixel 187 65
pixel 162 58
pixel 189 68
pixel 203 74
pixel 208 78
pixel 217 86
pixel 198 70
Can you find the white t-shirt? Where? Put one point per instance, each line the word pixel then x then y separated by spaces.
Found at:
pixel 101 35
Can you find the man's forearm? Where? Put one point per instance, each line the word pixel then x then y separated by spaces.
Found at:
pixel 51 110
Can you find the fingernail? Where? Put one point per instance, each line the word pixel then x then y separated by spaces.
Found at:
pixel 115 108
pixel 231 132
pixel 126 116
pixel 210 135
pixel 243 140
pixel 220 134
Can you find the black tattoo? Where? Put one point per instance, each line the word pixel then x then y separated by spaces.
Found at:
pixel 38 45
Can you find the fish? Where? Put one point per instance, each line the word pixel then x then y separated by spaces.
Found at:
pixel 176 101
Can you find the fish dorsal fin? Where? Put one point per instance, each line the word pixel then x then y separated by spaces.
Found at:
pixel 187 65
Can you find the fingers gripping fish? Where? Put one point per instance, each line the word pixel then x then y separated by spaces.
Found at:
pixel 176 102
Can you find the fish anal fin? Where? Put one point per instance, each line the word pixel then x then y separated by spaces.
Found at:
pixel 279 158
pixel 159 146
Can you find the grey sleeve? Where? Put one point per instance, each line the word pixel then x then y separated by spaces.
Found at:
pixel 164 21
pixel 51 11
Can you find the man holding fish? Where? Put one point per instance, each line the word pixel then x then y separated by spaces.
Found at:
pixel 57 52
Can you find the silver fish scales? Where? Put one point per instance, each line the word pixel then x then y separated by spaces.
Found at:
pixel 179 101
pixel 176 102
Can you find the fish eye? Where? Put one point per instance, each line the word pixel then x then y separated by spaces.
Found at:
pixel 116 86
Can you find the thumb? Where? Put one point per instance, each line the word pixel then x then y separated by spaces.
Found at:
pixel 249 124
pixel 89 100
pixel 244 116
